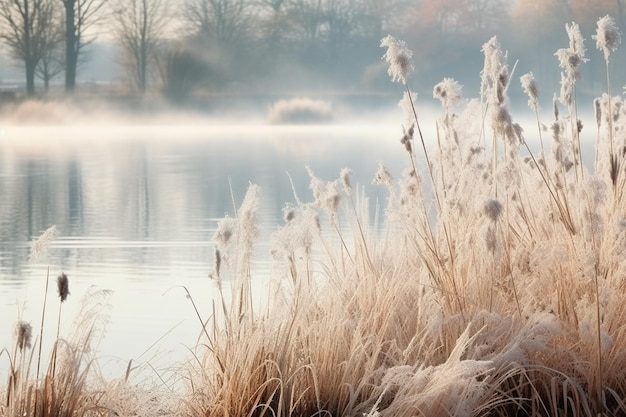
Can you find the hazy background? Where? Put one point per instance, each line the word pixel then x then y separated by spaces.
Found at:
pixel 218 54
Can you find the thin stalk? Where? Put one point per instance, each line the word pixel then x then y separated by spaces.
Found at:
pixel 574 123
pixel 43 315
pixel 610 115
pixel 361 233
pixel 543 152
pixel 438 200
pixel 599 346
pixel 565 215
pixel 419 130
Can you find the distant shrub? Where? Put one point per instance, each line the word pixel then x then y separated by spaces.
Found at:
pixel 300 110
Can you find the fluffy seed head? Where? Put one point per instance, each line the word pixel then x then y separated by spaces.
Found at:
pixel 345 179
pixel 218 262
pixel 226 228
pixel 63 286
pixel 493 209
pixel 399 57
pixel 576 40
pixel 40 245
pixel 23 334
pixel 607 36
pixel 530 88
pixel 495 74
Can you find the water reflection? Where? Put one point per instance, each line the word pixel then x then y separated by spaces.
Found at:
pixel 136 207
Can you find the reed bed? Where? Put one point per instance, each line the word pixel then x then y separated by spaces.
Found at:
pixel 493 286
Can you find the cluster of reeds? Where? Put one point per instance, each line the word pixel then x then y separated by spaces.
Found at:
pixel 56 378
pixel 495 287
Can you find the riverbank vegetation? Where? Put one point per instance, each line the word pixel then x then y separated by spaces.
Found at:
pixel 491 281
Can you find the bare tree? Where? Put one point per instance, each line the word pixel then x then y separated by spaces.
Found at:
pixel 51 63
pixel 140 27
pixel 308 18
pixel 24 31
pixel 274 23
pixel 80 16
pixel 222 21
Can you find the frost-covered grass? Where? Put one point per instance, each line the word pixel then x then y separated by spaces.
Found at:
pixel 493 285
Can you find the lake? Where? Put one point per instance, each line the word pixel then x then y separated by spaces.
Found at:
pixel 136 207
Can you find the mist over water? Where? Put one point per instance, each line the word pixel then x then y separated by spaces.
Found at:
pixel 136 206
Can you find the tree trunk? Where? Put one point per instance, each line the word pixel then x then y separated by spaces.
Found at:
pixel 71 53
pixel 28 52
pixel 30 78
pixel 143 70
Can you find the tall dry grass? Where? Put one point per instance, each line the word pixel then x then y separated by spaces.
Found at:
pixel 495 286
pixel 58 375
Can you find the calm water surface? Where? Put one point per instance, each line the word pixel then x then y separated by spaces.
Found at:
pixel 136 207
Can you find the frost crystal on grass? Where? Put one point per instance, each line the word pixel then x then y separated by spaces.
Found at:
pixel 399 57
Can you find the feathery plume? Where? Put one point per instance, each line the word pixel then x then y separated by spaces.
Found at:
pixel 41 244
pixel 399 57
pixel 570 58
pixel 607 36
pixel 529 85
pixel 63 286
pixel 224 232
pixel 495 74
pixel 345 179
pixel 23 334
pixel 327 195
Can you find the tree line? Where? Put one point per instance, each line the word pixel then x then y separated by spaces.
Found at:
pixel 254 46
